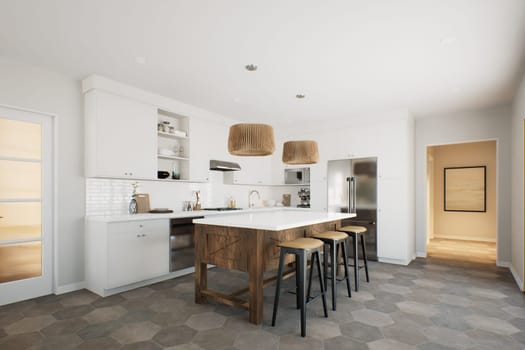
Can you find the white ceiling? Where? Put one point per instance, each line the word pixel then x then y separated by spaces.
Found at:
pixel 350 58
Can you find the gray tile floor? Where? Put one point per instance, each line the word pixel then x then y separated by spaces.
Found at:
pixel 430 304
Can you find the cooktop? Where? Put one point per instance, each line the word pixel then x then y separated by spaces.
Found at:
pixel 222 209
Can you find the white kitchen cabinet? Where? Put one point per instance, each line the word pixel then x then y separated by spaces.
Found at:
pixel 121 137
pixel 119 254
pixel 203 147
pixel 254 171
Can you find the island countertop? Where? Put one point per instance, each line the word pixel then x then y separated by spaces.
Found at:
pixel 275 220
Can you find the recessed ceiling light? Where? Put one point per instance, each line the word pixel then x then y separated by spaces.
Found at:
pixel 140 60
pixel 300 96
pixel 251 67
pixel 448 40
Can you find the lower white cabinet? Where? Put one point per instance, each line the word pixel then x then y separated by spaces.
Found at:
pixel 123 253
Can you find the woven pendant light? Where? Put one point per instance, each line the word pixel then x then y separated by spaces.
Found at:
pixel 300 152
pixel 251 140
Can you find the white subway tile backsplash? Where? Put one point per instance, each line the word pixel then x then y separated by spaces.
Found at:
pixel 112 196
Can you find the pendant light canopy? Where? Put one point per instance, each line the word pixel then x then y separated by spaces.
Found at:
pixel 251 140
pixel 300 152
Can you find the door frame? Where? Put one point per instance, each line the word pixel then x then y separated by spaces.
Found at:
pixel 54 121
pixel 495 139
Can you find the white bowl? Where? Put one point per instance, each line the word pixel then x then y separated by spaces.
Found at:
pixel 269 202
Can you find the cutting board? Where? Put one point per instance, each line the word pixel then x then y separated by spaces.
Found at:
pixel 142 202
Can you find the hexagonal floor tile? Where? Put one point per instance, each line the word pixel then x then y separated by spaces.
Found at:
pixel 135 332
pixel 372 318
pixel 206 320
pixel 256 340
pixel 29 324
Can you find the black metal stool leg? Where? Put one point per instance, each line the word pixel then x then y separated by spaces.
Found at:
pixel 278 288
pixel 325 267
pixel 323 288
pixel 333 270
pixel 301 262
pixel 310 277
pixel 298 302
pixel 363 246
pixel 355 245
pixel 347 276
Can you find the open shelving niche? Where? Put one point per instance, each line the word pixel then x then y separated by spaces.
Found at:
pixel 180 145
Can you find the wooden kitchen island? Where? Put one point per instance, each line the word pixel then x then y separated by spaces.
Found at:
pixel 248 242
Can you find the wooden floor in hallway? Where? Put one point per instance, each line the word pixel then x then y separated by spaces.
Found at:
pixel 468 251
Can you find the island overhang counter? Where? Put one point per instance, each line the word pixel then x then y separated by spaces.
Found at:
pixel 247 242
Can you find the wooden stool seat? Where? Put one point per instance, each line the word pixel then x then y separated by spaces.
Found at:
pixel 356 229
pixel 334 235
pixel 302 243
pixel 355 232
pixel 301 248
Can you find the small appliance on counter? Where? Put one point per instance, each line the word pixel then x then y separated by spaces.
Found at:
pixel 304 196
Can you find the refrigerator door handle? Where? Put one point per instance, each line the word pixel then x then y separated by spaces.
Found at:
pixel 351 195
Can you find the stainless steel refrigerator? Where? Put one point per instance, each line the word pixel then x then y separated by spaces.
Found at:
pixel 352 188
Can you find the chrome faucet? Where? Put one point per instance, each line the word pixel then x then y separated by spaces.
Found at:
pixel 250 203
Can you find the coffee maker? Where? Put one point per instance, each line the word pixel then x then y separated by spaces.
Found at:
pixel 304 196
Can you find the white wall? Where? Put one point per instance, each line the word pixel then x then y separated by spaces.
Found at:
pixel 392 142
pixel 485 124
pixel 33 88
pixel 518 115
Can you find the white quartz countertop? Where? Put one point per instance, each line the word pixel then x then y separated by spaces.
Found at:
pixel 274 220
pixel 186 214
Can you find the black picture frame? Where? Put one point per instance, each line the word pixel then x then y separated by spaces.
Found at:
pixel 459 189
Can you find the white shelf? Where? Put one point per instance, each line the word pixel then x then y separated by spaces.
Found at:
pixel 172 136
pixel 172 157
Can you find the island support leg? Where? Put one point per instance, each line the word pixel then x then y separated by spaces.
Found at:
pixel 201 282
pixel 201 269
pixel 255 270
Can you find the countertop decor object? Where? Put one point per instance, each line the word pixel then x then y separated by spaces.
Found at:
pixel 251 140
pixel 142 202
pixel 300 152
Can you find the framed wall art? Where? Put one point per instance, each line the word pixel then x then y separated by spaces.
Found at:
pixel 465 189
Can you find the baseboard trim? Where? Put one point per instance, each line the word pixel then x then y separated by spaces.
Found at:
pixel 465 238
pixel 67 288
pixel 517 278
pixel 501 263
pixel 394 261
pixel 421 254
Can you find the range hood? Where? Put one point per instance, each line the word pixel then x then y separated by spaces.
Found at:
pixel 220 165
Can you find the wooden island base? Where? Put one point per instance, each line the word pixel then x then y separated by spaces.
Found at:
pixel 249 250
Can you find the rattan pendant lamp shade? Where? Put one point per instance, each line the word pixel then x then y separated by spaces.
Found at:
pixel 251 140
pixel 300 152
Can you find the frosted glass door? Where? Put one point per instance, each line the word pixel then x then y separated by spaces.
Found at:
pixel 25 268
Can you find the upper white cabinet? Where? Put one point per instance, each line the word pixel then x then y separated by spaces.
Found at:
pixel 121 137
pixel 254 171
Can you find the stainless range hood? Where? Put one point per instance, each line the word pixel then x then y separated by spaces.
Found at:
pixel 220 165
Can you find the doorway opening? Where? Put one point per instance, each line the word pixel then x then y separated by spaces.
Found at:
pixel 461 202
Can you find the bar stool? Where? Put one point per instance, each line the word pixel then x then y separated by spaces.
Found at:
pixel 355 232
pixel 300 247
pixel 333 240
